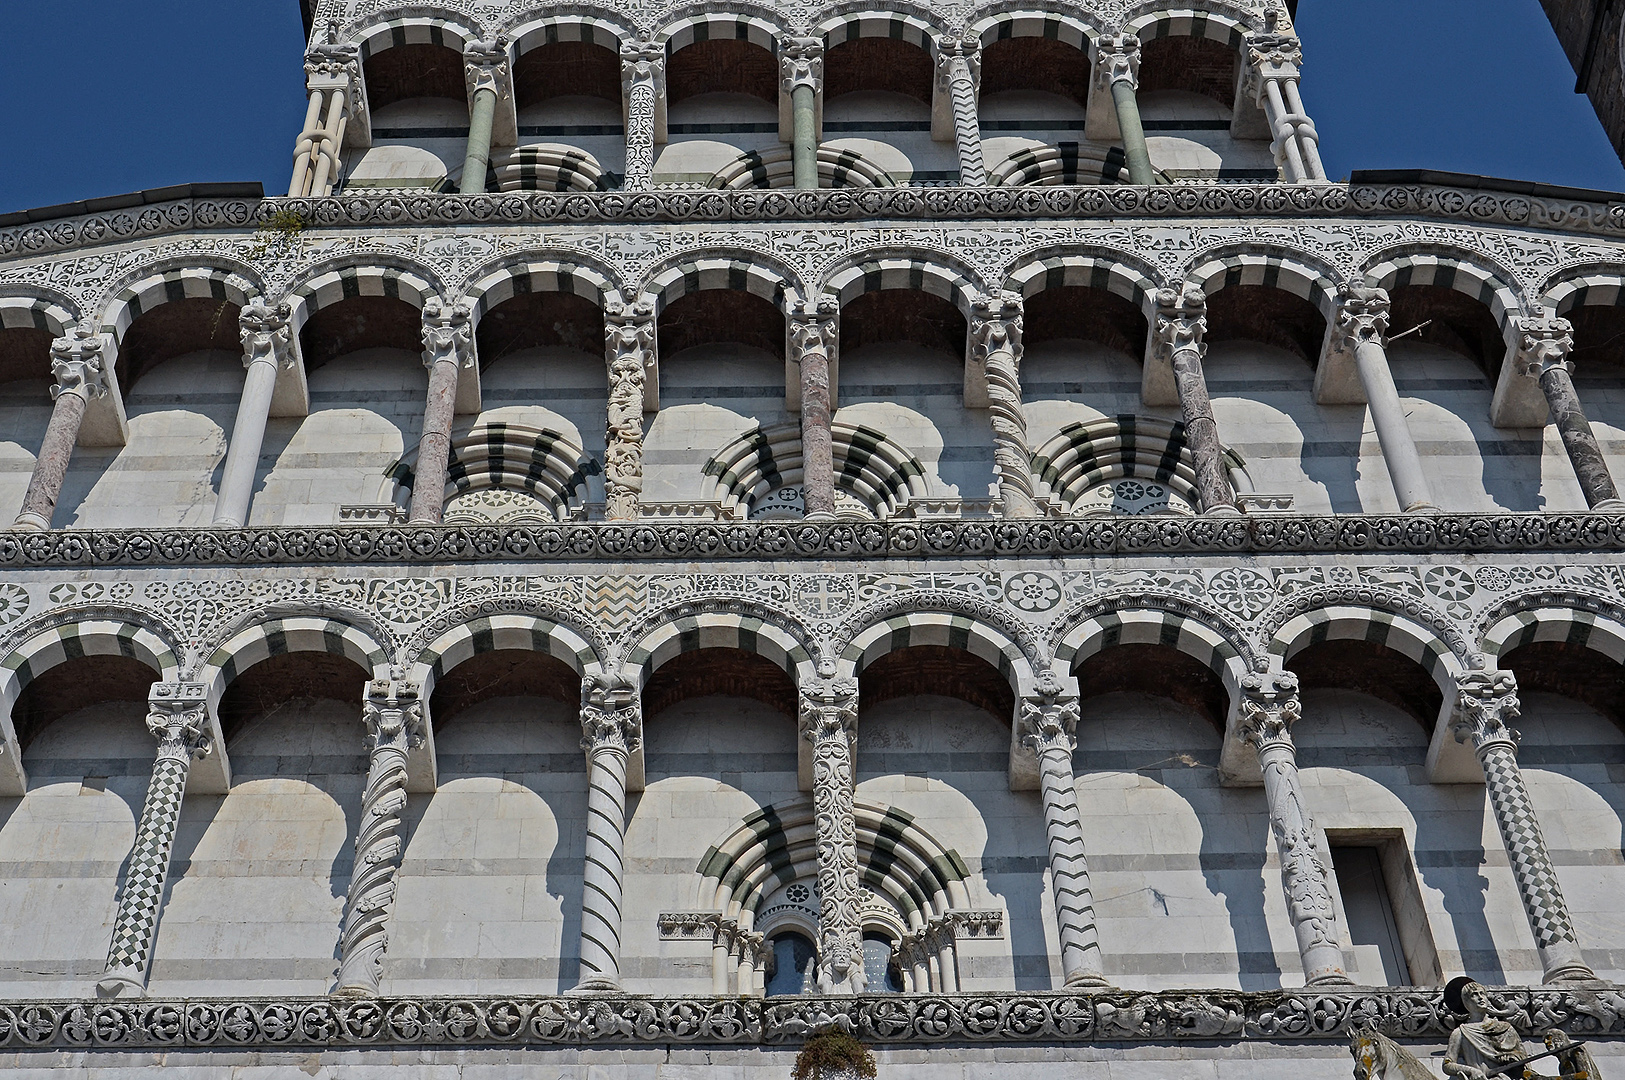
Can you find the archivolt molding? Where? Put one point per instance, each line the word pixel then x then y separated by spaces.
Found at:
pixel 499 602
pixel 168 656
pixel 1569 608
pixel 1431 624
pixel 1247 652
pixel 1021 648
pixel 380 641
pixel 796 647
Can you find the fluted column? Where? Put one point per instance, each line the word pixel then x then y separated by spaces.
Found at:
pixel 629 343
pixel 1269 708
pixel 393 715
pixel 1271 81
pixel 1486 703
pixel 1181 322
pixel 643 70
pixel 829 720
pixel 1049 727
pixel 448 347
pixel 332 82
pixel 485 65
pixel 1117 70
pixel 813 332
pixel 177 716
pixel 77 364
pixel 1543 354
pixel 1362 324
pixel 995 346
pixel 959 71
pixel 801 68
pixel 266 339
pixel 612 727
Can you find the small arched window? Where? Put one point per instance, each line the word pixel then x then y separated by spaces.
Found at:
pixel 880 964
pixel 793 961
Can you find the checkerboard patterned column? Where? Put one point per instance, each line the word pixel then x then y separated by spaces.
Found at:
pixel 829 720
pixel 612 726
pixel 178 717
pixel 393 714
pixel 1486 701
pixel 1269 708
pixel 1049 725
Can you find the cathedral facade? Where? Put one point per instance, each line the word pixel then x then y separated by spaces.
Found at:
pixel 692 528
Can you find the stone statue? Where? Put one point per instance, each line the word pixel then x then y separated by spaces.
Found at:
pixel 1485 1043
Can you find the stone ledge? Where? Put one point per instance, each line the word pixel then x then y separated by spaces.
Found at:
pixel 894 1019
pixel 573 542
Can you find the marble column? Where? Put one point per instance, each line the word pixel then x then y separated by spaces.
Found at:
pixel 448 347
pixel 959 71
pixel 1271 81
pixel 1486 703
pixel 77 363
pixel 332 84
pixel 1362 324
pixel 1049 728
pixel 629 344
pixel 177 716
pixel 995 347
pixel 1117 70
pixel 1543 354
pixel 829 720
pixel 801 68
pixel 266 340
pixel 1269 708
pixel 643 72
pixel 486 68
pixel 813 335
pixel 1181 321
pixel 612 727
pixel 393 715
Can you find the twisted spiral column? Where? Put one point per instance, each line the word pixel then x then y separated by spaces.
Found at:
pixel 393 715
pixel 829 720
pixel 995 345
pixel 611 724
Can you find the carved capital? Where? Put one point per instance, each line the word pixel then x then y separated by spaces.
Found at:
pixel 629 330
pixel 996 323
pixel 448 333
pixel 829 708
pixel 611 714
pixel 1269 707
pixel 1542 345
pixel 393 714
pixel 1362 315
pixel 329 65
pixel 959 59
pixel 178 717
pixel 814 328
pixel 1486 704
pixel 1271 56
pixel 642 61
pixel 1049 721
pixel 1117 59
pixel 1181 320
pixel 801 63
pixel 265 332
pixel 485 66
pixel 76 363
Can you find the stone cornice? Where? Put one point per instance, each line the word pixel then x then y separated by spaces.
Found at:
pixel 895 1019
pixel 976 538
pixel 689 206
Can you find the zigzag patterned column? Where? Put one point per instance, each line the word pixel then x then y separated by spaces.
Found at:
pixel 612 726
pixel 1486 701
pixel 629 343
pixel 643 66
pixel 1049 725
pixel 448 346
pixel 829 720
pixel 177 715
pixel 393 715
pixel 959 69
pixel 995 344
pixel 1269 708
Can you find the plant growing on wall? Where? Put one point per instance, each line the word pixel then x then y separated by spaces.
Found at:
pixel 833 1054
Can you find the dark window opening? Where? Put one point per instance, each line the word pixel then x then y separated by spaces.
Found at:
pixel 880 965
pixel 1373 931
pixel 793 966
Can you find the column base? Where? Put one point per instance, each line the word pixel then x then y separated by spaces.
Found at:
pixel 29 521
pixel 1222 510
pixel 1422 508
pixel 1089 980
pixel 1572 974
pixel 1609 506
pixel 354 993
pixel 225 523
pixel 1337 978
pixel 598 984
pixel 120 986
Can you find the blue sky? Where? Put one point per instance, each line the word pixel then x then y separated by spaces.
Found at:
pixel 121 96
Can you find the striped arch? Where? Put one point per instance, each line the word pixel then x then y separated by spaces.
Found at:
pixel 1489 286
pixel 496 283
pixel 1192 22
pixel 693 273
pixel 692 630
pixel 279 636
pixel 1347 622
pixel 523 631
pixel 184 283
pixel 1571 626
pixel 881 474
pixel 548 167
pixel 1117 273
pixel 914 29
pixel 1067 29
pixel 445 28
pixel 1064 163
pixel 720 26
pixel 1594 286
pixel 774 168
pixel 1083 455
pixel 28 310
pixel 1120 624
pixel 604 27
pixel 332 285
pixel 1289 272
pixel 931 622
pixel 931 273
pixel 94 635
